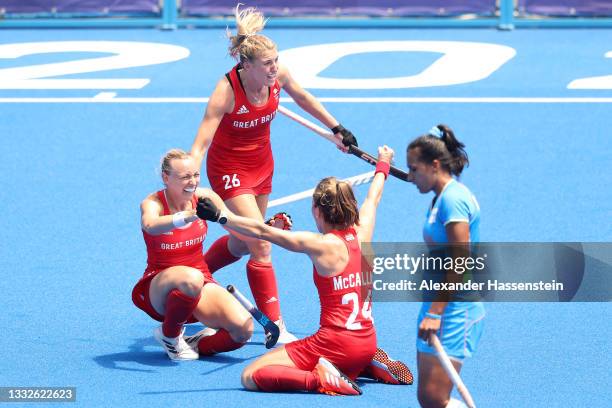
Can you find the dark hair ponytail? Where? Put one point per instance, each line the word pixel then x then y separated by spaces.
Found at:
pixel 456 149
pixel 442 145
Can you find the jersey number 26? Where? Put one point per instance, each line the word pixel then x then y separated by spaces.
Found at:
pixel 231 181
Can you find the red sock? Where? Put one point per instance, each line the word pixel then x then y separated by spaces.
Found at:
pixel 219 255
pixel 263 287
pixel 282 378
pixel 179 307
pixel 217 343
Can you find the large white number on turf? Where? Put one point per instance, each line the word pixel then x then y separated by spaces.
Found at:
pixel 598 82
pixel 460 63
pixel 366 311
pixel 127 55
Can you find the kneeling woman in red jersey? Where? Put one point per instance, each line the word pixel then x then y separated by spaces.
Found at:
pixel 345 344
pixel 177 287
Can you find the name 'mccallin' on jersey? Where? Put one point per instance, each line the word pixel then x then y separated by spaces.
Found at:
pixel 353 280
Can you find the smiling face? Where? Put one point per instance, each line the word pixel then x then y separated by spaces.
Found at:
pixel 182 178
pixel 263 68
pixel 423 175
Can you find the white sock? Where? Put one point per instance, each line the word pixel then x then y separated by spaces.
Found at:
pixel 453 403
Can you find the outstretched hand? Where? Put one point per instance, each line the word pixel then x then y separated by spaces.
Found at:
pixel 281 220
pixel 207 210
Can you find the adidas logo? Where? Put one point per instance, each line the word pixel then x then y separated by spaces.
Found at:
pixel 272 300
pixel 332 379
pixel 243 109
pixel 349 237
pixel 275 90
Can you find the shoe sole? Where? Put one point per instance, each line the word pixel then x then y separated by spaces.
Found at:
pixel 331 367
pixel 391 371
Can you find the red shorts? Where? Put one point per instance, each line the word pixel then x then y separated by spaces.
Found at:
pixel 350 351
pixel 140 294
pixel 231 178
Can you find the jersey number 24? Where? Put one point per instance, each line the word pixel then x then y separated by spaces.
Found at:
pixel 366 310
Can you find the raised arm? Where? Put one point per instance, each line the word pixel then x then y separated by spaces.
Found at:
pixel 310 104
pixel 367 212
pixel 221 102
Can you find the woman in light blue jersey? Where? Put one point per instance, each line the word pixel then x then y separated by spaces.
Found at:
pixel 453 217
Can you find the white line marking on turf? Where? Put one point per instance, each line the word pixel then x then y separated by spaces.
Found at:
pixel 105 95
pixel 96 99
pixel 363 178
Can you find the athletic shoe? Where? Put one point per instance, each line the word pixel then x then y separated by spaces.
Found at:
pixel 284 337
pixel 194 339
pixel 384 369
pixel 333 381
pixel 176 347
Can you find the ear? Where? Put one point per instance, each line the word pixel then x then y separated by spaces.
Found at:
pixel 164 178
pixel 436 164
pixel 316 212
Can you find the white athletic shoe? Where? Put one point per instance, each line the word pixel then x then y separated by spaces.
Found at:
pixel 193 340
pixel 284 337
pixel 176 347
pixel 333 381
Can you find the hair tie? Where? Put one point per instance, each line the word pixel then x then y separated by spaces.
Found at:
pixel 243 37
pixel 325 200
pixel 435 131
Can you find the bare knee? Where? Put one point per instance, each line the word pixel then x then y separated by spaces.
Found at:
pixel 431 396
pixel 241 333
pixel 247 379
pixel 237 247
pixel 191 282
pixel 260 250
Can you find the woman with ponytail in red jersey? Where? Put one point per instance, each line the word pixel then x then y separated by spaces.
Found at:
pixel 235 133
pixel 344 347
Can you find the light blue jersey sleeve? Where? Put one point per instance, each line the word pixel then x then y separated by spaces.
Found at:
pixel 455 206
pixel 456 203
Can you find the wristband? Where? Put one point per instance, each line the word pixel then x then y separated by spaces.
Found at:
pixel 337 129
pixel 382 167
pixel 178 219
pixel 433 316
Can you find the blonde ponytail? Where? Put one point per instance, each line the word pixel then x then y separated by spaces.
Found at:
pixel 247 44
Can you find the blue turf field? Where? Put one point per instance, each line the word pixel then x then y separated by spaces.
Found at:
pixel 75 171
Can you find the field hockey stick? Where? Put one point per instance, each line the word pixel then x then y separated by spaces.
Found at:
pixel 354 150
pixel 272 330
pixel 452 373
pixel 353 181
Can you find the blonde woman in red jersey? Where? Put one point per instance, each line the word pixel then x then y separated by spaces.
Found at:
pixel 344 347
pixel 235 132
pixel 177 287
